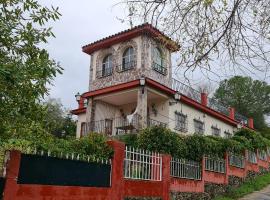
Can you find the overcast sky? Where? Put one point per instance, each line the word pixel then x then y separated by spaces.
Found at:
pixel 83 22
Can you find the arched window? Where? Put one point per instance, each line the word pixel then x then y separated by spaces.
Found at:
pixel 158 61
pixel 158 57
pixel 107 65
pixel 128 61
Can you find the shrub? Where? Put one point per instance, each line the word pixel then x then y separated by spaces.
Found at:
pixel 255 139
pixel 162 140
pixel 93 145
pixel 129 139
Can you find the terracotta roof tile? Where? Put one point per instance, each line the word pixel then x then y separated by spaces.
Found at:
pixel 131 33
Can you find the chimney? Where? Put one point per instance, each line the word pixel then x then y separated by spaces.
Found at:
pixel 251 123
pixel 232 113
pixel 204 99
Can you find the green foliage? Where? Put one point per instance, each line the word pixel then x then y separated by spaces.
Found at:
pixel 249 97
pixel 194 146
pixel 129 139
pixel 254 138
pixel 57 120
pixel 248 187
pixel 163 140
pixel 25 68
pixel 93 145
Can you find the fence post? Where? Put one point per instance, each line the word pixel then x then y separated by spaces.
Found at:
pixel 166 159
pixel 203 173
pixel 13 166
pixel 227 167
pixel 117 177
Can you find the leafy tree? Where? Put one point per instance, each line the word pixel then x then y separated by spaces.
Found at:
pixel 25 67
pixel 250 97
pixel 233 31
pixel 57 121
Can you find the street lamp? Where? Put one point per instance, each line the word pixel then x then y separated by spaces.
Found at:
pixel 142 81
pixel 177 97
pixel 78 97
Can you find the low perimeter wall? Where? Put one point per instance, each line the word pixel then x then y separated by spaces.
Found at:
pixel 120 187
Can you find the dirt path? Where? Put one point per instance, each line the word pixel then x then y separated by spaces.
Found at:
pixel 263 194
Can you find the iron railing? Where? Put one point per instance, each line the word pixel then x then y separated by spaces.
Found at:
pixel 143 165
pixel 262 155
pixel 160 69
pixel 153 122
pixel 215 164
pixel 113 126
pixel 241 118
pixel 237 161
pixel 252 158
pixel 126 66
pixel 217 106
pixel 187 169
pixel 186 90
pixel 104 72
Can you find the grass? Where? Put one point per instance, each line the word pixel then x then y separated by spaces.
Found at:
pixel 248 187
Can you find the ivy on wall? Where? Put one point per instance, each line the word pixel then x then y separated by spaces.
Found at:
pixel 193 147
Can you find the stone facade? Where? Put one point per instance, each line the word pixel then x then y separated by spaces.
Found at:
pixel 142 46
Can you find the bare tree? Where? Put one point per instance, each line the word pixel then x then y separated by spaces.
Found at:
pixel 234 32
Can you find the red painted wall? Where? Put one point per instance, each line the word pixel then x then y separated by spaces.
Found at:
pixel 120 187
pixel 186 185
pixel 235 171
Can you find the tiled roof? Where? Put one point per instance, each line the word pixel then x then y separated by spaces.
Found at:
pixel 131 33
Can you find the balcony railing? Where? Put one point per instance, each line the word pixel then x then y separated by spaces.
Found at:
pixel 159 68
pixel 217 106
pixel 241 118
pixel 117 126
pixel 104 72
pixel 186 90
pixel 126 66
pixel 212 102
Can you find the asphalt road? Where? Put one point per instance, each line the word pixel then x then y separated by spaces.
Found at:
pixel 259 195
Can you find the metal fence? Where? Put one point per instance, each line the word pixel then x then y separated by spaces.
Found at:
pixel 143 165
pixel 262 155
pixel 252 158
pixel 237 161
pixel 215 164
pixel 187 169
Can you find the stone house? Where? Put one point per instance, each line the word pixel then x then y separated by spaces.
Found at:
pixel 131 87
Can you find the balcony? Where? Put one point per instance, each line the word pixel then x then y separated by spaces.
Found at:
pixel 118 126
pixel 104 72
pixel 126 66
pixel 160 69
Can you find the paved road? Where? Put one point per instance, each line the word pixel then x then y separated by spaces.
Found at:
pixel 259 195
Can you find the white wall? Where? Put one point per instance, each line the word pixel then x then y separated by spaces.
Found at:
pixel 81 118
pixel 192 114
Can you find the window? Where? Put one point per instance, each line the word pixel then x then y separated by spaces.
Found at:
pixel 158 62
pixel 227 134
pixel 215 131
pixel 181 122
pixel 107 68
pixel 198 126
pixel 128 61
